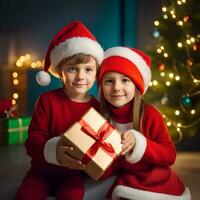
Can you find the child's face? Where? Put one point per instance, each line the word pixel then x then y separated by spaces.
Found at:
pixel 79 78
pixel 118 89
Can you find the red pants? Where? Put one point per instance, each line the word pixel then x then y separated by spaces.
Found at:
pixel 37 187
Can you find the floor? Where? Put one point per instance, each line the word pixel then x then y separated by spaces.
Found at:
pixel 187 166
pixel 14 164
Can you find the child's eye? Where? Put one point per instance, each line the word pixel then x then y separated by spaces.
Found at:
pixel 125 80
pixel 71 69
pixel 88 69
pixel 108 81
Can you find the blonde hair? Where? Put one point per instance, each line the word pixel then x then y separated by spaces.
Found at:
pixel 137 112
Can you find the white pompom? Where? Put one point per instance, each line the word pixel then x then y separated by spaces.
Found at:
pixel 43 78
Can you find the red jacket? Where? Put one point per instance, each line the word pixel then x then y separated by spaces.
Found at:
pixel 53 114
pixel 146 172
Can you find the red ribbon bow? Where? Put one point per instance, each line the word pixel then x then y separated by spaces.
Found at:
pixel 104 131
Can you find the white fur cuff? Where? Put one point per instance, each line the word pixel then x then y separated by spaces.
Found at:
pixel 121 191
pixel 139 149
pixel 50 150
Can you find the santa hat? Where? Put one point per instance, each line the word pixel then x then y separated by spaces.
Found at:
pixel 72 39
pixel 129 61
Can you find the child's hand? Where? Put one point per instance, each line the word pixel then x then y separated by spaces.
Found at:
pixel 128 142
pixel 65 159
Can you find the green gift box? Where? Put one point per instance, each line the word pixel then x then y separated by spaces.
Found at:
pixel 14 131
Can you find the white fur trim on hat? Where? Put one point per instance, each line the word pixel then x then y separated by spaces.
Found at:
pixel 139 148
pixel 121 191
pixel 43 78
pixel 74 46
pixel 135 58
pixel 50 150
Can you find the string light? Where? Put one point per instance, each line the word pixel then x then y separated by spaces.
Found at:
pixel 15 95
pixel 13 101
pixel 177 112
pixel 188 41
pixel 165 16
pixel 171 75
pixel 156 23
pixel 179 124
pixel 162 47
pixel 164 9
pixel 23 63
pixel 159 50
pixel 177 78
pixel 179 2
pixel 180 45
pixel 26 61
pixel 165 55
pixel 169 123
pixel 15 81
pixel 162 74
pixel 155 82
pixel 15 74
pixel 19 63
pixel 168 83
pixel 180 23
pixel 174 16
pixel 150 84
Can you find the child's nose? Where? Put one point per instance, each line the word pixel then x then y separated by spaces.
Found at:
pixel 80 75
pixel 117 86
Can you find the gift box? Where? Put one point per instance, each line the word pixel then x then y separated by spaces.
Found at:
pixel 95 141
pixel 14 131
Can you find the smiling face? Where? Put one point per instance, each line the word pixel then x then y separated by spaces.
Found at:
pixel 118 89
pixel 78 78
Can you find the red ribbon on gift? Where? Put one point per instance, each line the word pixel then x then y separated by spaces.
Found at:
pixel 104 131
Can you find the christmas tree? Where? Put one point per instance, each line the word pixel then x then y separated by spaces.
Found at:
pixel 175 53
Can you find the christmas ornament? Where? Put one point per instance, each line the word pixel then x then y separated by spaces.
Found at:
pixel 156 33
pixel 43 78
pixel 196 47
pixel 186 18
pixel 186 101
pixel 190 62
pixel 161 66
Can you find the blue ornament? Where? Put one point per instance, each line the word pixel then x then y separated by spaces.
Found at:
pixel 186 101
pixel 156 33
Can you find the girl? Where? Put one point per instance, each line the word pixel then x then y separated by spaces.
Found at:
pixel 74 56
pixel 149 152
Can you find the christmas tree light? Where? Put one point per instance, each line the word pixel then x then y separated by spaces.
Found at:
pixel 176 66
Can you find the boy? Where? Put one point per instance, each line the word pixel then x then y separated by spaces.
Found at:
pixel 74 56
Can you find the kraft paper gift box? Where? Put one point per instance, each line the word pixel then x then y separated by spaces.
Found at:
pixel 95 141
pixel 14 131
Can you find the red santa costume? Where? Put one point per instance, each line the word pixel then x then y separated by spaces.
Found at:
pixel 146 172
pixel 53 114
